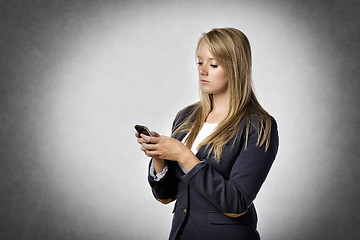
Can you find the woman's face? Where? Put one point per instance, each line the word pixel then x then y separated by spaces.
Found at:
pixel 213 78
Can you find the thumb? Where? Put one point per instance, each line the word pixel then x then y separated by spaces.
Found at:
pixel 155 134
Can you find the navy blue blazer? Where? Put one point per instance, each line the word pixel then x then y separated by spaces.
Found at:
pixel 215 200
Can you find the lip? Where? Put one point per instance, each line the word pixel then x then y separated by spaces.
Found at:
pixel 204 81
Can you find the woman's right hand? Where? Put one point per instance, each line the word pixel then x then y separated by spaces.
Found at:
pixel 159 163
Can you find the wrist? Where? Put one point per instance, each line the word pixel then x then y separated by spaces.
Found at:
pixel 188 159
pixel 158 159
pixel 159 164
pixel 185 156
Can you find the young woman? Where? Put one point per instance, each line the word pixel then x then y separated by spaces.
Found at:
pixel 221 148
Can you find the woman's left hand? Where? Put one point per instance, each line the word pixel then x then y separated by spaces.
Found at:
pixel 164 147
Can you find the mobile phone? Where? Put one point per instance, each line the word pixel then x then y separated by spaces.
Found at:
pixel 143 129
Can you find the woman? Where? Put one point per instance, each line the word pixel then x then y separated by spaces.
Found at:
pixel 221 148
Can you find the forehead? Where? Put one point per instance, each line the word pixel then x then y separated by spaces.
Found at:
pixel 204 51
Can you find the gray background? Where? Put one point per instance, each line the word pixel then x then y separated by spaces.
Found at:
pixel 77 75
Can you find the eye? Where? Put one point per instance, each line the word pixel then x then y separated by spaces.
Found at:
pixel 213 65
pixel 199 63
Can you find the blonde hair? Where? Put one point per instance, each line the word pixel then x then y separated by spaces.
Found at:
pixel 231 49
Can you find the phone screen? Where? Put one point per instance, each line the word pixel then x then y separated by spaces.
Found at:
pixel 143 129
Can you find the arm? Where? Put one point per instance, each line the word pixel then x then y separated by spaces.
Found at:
pixel 233 196
pixel 159 164
pixel 165 188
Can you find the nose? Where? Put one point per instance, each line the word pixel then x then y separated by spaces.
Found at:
pixel 203 71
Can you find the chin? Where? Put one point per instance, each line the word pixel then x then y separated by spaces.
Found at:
pixel 206 90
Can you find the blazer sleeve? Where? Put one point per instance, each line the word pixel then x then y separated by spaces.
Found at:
pixel 233 196
pixel 165 190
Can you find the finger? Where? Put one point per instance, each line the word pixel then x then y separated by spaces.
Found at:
pixel 141 140
pixel 148 153
pixel 149 146
pixel 146 150
pixel 150 139
pixel 137 134
pixel 153 154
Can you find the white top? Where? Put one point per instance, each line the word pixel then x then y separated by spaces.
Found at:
pixel 205 131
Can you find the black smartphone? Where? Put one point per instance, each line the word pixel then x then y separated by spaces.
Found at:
pixel 143 129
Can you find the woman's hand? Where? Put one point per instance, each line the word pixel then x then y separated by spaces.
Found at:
pixel 159 163
pixel 163 147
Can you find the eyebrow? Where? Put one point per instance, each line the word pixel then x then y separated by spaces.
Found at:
pixel 208 58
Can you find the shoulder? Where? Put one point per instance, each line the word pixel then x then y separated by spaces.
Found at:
pixel 260 125
pixel 263 131
pixel 187 111
pixel 274 125
pixel 184 114
pixel 259 119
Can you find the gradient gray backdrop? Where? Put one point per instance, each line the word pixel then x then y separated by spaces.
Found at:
pixel 76 76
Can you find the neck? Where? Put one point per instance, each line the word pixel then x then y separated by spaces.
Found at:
pixel 220 103
pixel 220 108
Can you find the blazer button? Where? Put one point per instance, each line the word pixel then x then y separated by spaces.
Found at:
pixel 184 210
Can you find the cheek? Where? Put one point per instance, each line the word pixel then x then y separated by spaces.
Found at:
pixel 223 78
pixel 225 83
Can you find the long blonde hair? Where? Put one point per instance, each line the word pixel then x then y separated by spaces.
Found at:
pixel 231 49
